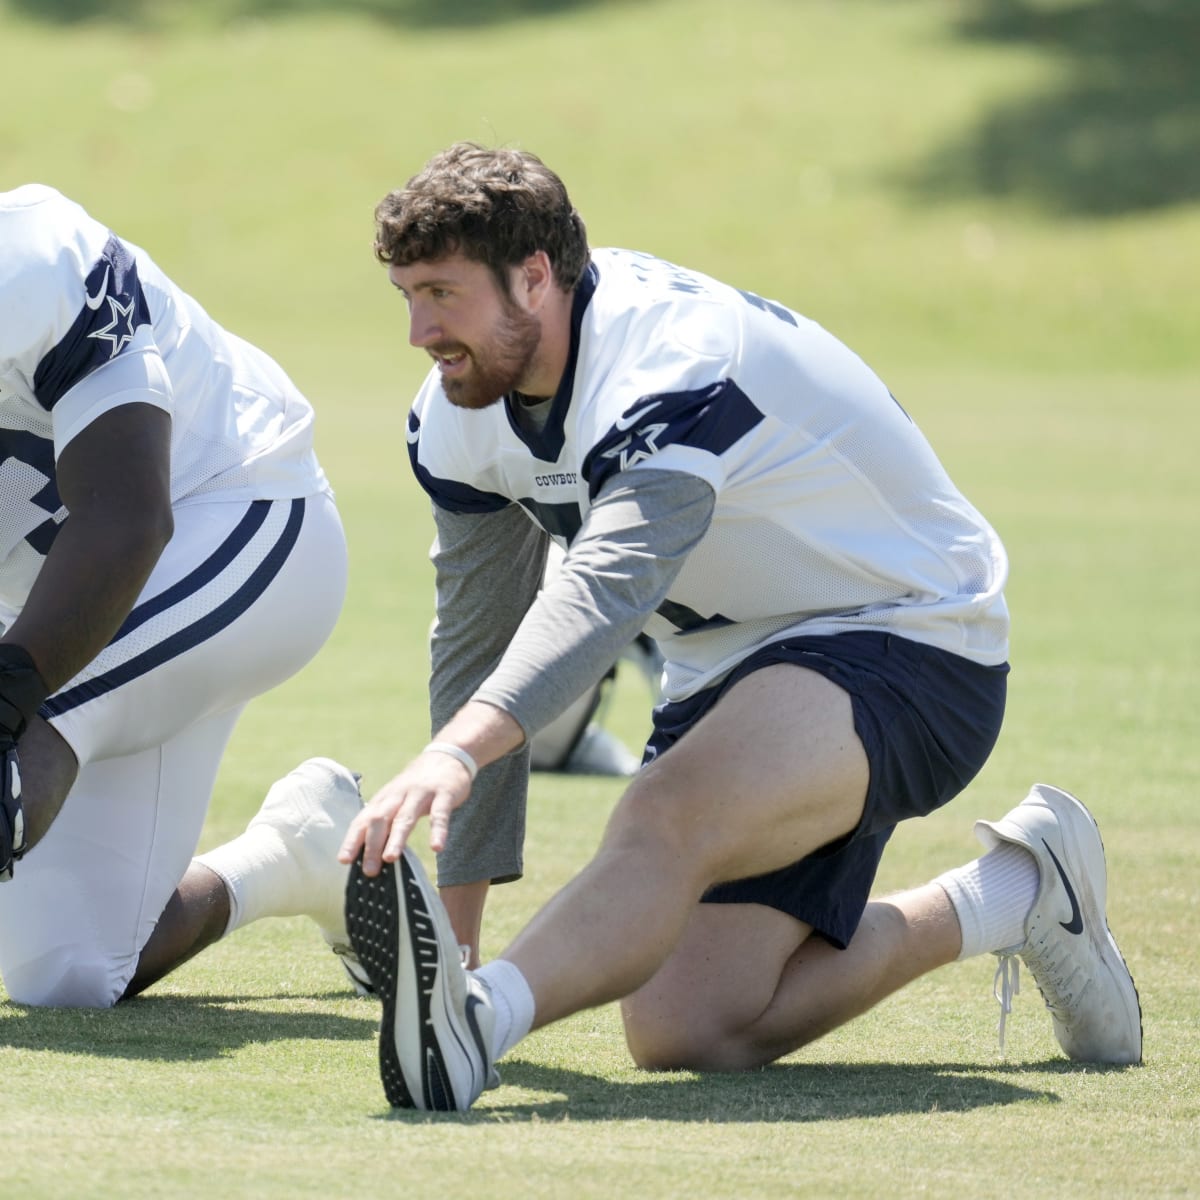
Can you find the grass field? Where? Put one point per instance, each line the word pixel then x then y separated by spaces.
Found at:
pixel 998 204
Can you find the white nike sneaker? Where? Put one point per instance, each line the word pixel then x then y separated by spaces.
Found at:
pixel 435 1040
pixel 308 812
pixel 1068 947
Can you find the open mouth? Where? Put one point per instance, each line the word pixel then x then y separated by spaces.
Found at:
pixel 450 361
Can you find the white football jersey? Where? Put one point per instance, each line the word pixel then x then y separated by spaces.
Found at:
pixel 832 512
pixel 87 323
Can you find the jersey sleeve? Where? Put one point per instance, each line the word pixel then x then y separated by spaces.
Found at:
pixel 74 303
pixel 137 376
pixel 616 573
pixel 668 397
pixel 687 431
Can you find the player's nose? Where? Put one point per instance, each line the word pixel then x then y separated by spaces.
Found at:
pixel 423 330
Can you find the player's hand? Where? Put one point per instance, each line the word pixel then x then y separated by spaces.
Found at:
pixel 432 785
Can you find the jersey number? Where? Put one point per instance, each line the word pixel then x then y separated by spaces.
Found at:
pixel 27 470
pixel 768 306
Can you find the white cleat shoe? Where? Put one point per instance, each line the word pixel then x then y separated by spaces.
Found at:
pixel 1068 947
pixel 309 811
pixel 435 1041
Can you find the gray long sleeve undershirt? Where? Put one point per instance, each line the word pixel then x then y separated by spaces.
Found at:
pixel 498 640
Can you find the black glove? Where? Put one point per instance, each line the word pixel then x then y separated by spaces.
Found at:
pixel 22 690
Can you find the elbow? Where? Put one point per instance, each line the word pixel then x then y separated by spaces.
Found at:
pixel 163 526
pixel 147 530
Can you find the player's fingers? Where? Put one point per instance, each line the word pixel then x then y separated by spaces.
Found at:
pixel 439 821
pixel 355 836
pixel 370 828
pixel 402 825
pixel 376 835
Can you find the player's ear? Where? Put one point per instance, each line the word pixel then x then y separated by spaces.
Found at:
pixel 536 279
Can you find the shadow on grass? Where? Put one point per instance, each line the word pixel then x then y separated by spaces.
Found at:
pixel 790 1092
pixel 413 14
pixel 1117 132
pixel 194 1029
pixel 180 1029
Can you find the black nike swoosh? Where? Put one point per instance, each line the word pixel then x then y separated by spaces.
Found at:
pixel 485 1051
pixel 1075 924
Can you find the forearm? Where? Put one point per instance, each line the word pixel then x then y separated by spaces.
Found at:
pixel 114 478
pixel 91 578
pixel 615 574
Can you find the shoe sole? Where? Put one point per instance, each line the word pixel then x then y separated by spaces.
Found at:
pixel 373 926
pixel 398 934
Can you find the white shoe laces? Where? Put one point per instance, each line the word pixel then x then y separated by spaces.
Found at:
pixel 1056 979
pixel 1006 984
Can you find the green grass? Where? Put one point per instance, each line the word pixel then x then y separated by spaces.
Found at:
pixel 996 203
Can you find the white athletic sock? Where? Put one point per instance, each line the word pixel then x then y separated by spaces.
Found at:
pixel 512 1001
pixel 253 867
pixel 992 897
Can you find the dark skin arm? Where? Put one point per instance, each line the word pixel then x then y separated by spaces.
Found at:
pixel 114 478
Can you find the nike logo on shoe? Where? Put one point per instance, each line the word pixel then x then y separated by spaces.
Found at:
pixel 1075 924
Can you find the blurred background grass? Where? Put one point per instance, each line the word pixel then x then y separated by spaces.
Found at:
pixel 1001 185
pixel 995 202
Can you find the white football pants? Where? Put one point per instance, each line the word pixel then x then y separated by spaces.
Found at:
pixel 243 596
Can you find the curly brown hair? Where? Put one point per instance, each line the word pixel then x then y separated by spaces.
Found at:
pixel 495 206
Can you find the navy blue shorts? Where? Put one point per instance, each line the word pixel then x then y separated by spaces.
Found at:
pixel 927 719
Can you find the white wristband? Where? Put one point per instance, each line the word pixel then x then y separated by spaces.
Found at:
pixel 455 752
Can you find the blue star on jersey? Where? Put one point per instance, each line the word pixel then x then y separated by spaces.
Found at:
pixel 711 418
pixel 638 445
pixel 119 331
pixel 114 308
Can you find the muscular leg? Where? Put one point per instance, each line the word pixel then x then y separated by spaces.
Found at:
pixel 284 864
pixel 773 772
pixel 748 984
pixel 108 899
pixel 196 915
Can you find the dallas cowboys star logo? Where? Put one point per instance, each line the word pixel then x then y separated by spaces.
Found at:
pixel 640 444
pixel 119 331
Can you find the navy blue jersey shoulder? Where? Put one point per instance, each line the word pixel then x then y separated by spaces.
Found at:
pixel 113 308
pixel 712 418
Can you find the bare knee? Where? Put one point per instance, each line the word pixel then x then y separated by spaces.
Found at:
pixel 704 1008
pixel 699 1040
pixel 660 1044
